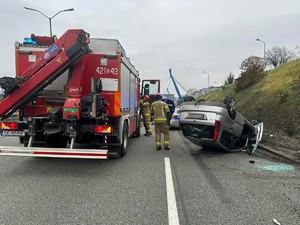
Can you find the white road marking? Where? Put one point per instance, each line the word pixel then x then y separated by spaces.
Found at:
pixel 172 207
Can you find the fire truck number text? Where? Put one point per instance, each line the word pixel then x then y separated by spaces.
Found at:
pixel 106 71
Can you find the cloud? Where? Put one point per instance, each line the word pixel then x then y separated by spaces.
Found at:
pixel 188 36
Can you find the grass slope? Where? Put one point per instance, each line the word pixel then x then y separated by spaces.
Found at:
pixel 275 100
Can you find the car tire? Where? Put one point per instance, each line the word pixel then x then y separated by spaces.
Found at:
pixel 229 101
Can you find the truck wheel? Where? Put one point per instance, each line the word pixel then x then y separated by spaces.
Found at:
pixel 137 132
pixel 25 140
pixel 38 141
pixel 124 140
pixel 229 101
pixel 21 139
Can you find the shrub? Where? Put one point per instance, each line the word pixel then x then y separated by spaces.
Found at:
pixel 252 70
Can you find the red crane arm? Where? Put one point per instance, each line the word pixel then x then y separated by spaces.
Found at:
pixel 56 60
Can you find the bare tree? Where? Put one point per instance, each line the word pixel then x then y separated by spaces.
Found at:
pixel 297 51
pixel 279 55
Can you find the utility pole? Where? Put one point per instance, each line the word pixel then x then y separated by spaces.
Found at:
pixel 207 78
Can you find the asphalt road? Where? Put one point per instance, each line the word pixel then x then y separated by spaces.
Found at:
pixel 205 187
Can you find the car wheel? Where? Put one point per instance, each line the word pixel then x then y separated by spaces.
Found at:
pixel 229 101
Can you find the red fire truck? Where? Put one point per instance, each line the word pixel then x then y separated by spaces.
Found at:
pixel 77 90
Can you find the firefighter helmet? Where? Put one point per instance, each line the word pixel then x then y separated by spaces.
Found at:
pixel 158 96
pixel 147 98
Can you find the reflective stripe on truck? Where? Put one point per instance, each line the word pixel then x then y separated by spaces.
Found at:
pixel 54 152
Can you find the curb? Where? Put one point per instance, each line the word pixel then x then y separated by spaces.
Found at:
pixel 279 153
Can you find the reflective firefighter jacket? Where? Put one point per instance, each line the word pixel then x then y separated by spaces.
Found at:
pixel 159 110
pixel 145 108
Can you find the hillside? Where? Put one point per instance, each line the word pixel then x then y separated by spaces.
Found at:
pixel 275 100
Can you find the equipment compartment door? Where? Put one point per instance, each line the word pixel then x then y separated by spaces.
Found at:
pixel 133 102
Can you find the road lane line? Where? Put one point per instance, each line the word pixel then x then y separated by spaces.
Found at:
pixel 172 206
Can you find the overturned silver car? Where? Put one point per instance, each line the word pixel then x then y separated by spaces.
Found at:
pixel 218 125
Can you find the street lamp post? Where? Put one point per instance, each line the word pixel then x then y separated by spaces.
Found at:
pixel 257 39
pixel 49 18
pixel 207 78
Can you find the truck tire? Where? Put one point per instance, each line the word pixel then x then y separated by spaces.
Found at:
pixel 21 139
pixel 123 149
pixel 38 141
pixel 229 101
pixel 137 132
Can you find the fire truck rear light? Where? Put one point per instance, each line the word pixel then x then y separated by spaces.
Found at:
pixel 9 126
pixel 217 129
pixel 103 129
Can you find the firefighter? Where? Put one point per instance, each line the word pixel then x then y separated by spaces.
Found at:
pixel 145 108
pixel 159 110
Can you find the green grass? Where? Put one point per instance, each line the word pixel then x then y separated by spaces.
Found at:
pixel 275 100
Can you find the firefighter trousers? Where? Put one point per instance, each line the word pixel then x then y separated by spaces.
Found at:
pixel 162 128
pixel 146 122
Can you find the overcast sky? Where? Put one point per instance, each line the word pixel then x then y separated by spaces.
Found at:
pixel 189 36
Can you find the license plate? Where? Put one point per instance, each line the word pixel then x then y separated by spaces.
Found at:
pixel 12 133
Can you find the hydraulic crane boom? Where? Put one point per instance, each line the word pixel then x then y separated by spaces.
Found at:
pixel 56 60
pixel 175 85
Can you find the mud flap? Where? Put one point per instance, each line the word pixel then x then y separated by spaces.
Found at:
pixel 255 138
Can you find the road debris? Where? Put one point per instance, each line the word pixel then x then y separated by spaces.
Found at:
pixel 276 221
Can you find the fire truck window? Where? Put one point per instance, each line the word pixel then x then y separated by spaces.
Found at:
pixel 146 89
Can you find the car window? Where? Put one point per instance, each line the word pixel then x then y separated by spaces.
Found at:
pixel 198 131
pixel 230 141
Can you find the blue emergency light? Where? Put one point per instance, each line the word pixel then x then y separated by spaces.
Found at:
pixel 29 41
